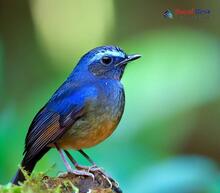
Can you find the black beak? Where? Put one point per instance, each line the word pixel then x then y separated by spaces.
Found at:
pixel 133 57
pixel 129 59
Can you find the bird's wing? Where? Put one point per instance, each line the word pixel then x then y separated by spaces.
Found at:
pixel 56 117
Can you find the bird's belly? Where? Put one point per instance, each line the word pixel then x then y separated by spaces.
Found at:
pixel 84 134
pixel 99 122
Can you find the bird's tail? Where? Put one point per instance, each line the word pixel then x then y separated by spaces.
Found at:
pixel 28 166
pixel 19 176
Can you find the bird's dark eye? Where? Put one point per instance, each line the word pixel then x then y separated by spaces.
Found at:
pixel 106 60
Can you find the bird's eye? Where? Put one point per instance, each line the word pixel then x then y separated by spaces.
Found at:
pixel 106 60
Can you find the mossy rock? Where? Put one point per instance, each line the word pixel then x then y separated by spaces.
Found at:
pixel 64 183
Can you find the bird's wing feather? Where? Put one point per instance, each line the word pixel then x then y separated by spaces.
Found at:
pixel 56 117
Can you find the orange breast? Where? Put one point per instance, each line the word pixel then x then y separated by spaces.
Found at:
pixel 87 139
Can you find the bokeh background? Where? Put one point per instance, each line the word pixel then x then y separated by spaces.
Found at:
pixel 169 138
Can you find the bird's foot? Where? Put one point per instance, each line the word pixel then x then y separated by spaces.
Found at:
pixel 82 173
pixel 91 169
pixel 94 168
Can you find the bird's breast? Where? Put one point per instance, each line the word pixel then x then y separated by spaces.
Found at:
pixel 100 120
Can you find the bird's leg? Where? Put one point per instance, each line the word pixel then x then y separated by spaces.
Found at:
pixel 68 167
pixel 74 162
pixel 94 168
pixel 87 157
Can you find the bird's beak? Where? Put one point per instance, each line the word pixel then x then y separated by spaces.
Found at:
pixel 129 59
pixel 133 57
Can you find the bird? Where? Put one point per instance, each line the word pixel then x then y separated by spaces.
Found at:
pixel 82 112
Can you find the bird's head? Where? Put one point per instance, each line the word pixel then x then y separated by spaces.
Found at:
pixel 105 62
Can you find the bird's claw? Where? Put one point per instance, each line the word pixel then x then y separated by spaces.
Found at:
pixel 109 179
pixel 82 173
pixel 94 168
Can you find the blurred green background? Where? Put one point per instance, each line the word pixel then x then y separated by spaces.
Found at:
pixel 168 139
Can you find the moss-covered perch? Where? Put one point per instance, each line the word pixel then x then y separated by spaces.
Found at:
pixel 64 183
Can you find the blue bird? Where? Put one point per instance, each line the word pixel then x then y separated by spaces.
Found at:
pixel 83 112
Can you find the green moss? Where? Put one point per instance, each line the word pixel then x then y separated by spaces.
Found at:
pixel 38 184
pixel 63 183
